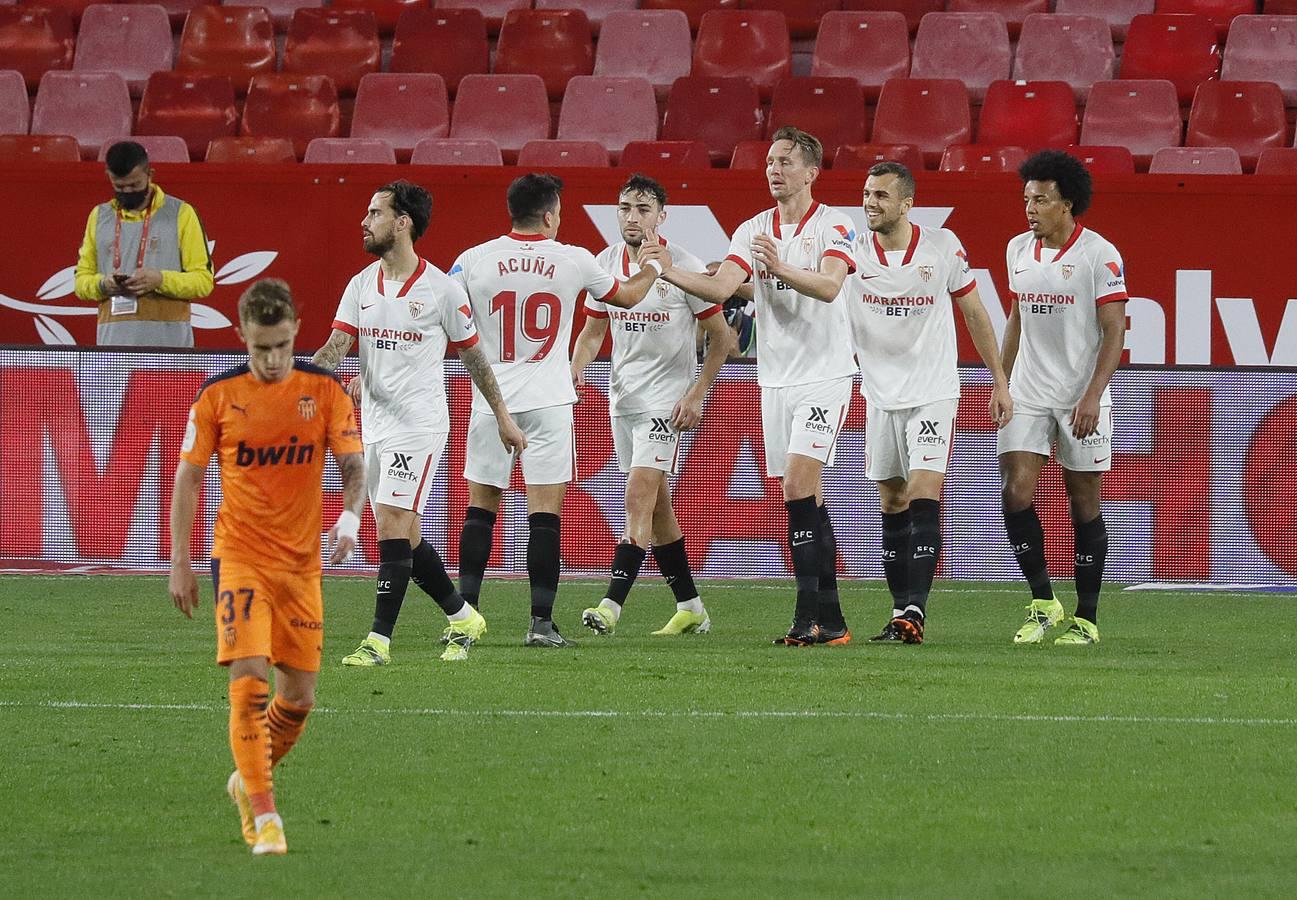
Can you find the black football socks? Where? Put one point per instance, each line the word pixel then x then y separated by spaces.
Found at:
pixel 429 573
pixel 474 551
pixel 626 562
pixel 543 553
pixel 804 546
pixel 1028 541
pixel 1091 554
pixel 896 558
pixel 394 565
pixel 925 552
pixel 830 605
pixel 673 563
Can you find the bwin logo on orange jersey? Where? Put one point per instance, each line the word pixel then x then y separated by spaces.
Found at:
pixel 290 454
pixel 306 406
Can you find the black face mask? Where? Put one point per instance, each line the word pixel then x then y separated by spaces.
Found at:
pixel 132 199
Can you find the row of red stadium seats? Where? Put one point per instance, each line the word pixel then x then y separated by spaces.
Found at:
pixel 976 48
pixel 512 110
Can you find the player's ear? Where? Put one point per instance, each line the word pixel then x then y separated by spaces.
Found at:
pixel 297 326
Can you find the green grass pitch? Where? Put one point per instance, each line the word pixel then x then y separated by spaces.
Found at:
pixel 1158 763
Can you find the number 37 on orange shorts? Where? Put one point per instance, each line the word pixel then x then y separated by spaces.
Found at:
pixel 270 613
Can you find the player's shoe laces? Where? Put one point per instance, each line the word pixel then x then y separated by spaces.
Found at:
pixel 686 622
pixel 459 636
pixel 544 633
pixel 369 653
pixel 832 637
pixel 270 839
pixel 1041 616
pixel 239 796
pixel 1079 631
pixel 800 634
pixel 599 620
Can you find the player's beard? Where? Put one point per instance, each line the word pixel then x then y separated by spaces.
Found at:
pixel 376 247
pixel 884 227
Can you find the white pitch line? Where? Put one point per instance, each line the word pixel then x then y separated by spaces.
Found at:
pixel 689 714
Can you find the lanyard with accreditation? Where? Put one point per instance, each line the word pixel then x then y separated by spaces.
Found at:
pixel 127 305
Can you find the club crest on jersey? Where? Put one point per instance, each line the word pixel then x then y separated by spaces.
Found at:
pixel 925 272
pixel 306 406
pixel 663 288
pixel 1067 271
pixel 416 307
pixel 808 243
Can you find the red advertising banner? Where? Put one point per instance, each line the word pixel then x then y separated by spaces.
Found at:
pixel 1201 488
pixel 1202 293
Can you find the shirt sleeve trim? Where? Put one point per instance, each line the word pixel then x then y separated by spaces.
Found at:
pixel 464 344
pixel 708 312
pixel 966 289
pixel 1111 298
pixel 838 254
pixel 346 327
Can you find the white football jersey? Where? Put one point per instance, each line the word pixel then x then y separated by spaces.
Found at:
pixel 401 329
pixel 653 349
pixel 800 340
pixel 902 323
pixel 1059 293
pixel 524 290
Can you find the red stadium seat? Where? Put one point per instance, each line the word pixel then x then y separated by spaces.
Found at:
pixel 1117 13
pixel 739 43
pixel 750 155
pixel 133 41
pixel 386 12
pixel 650 44
pixel 1263 48
pixel 508 109
pixel 930 113
pixel 653 155
pixel 1196 161
pixel 493 11
pixel 34 41
pixel 832 109
pixel 251 150
pixel 978 158
pixel 1180 48
pixel 177 10
pixel 693 9
pixel 1030 114
pixel 1014 12
pixel 341 44
pixel 1221 12
pixel 1280 7
pixel 90 106
pixel 281 11
pixel 1277 161
pixel 450 42
pixel 350 150
pixel 913 10
pixel 1105 160
pixel 297 107
pixel 39 147
pixel 612 111
pixel 970 47
pixel 449 152
pixel 720 112
pixel 402 109
pixel 15 111
pixel 842 34
pixel 1075 49
pixel 554 44
pixel 1245 115
pixel 234 41
pixel 595 10
pixel 803 16
pixel 863 156
pixel 161 148
pixel 197 108
pixel 1142 116
pixel 74 8
pixel 555 154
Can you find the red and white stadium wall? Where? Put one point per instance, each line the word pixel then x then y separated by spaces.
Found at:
pixel 1201 488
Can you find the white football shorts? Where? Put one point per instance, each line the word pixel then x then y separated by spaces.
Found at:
pixel 898 441
pixel 646 440
pixel 399 470
pixel 1037 430
pixel 804 419
pixel 550 457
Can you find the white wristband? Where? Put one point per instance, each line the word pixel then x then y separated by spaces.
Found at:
pixel 655 265
pixel 348 525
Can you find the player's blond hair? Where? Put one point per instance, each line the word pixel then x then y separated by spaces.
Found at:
pixel 268 301
pixel 809 144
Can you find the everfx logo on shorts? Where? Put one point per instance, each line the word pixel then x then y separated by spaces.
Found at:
pixel 660 430
pixel 818 421
pixel 400 468
pixel 928 433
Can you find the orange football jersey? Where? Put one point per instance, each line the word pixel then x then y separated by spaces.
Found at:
pixel 270 439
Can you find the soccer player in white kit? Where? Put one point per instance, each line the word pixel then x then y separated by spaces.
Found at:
pixel 404 311
pixel 903 329
pixel 798 254
pixel 652 397
pixel 524 288
pixel 1062 344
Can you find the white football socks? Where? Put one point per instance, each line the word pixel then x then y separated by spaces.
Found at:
pixel 694 606
pixel 381 638
pixel 612 606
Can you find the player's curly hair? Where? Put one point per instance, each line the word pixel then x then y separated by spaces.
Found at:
pixel 409 199
pixel 1066 171
pixel 268 301
pixel 642 184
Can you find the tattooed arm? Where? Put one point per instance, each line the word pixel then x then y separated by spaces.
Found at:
pixel 334 349
pixel 342 536
pixel 480 371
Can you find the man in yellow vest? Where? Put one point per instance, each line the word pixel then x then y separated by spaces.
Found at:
pixel 143 259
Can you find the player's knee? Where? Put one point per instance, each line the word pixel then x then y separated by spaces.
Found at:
pixel 1017 494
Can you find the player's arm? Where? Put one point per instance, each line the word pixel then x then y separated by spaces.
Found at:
pixel 1112 322
pixel 721 343
pixel 983 335
pixel 479 369
pixel 654 260
pixel 335 348
pixel 344 533
pixel 823 285
pixel 587 346
pixel 182 582
pixel 1012 334
pixel 716 288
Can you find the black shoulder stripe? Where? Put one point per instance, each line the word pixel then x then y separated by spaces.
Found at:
pixel 222 376
pixel 312 368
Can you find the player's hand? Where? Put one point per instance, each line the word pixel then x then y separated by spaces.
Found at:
pixel 1001 405
pixel 511 435
pixel 578 381
pixel 144 281
pixel 766 253
pixel 687 414
pixel 1085 417
pixel 653 253
pixel 354 386
pixel 183 585
pixel 343 536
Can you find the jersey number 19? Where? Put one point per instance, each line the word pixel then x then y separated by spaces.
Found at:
pixel 538 323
